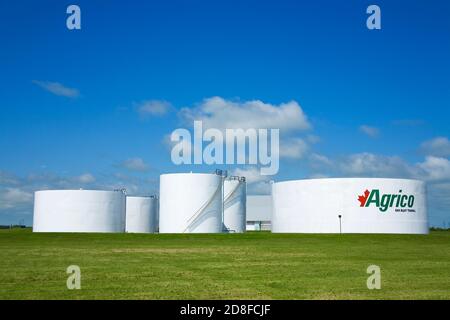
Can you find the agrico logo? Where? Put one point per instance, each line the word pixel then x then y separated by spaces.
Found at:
pixel 385 201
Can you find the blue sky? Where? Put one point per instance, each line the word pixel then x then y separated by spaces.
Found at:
pixel 72 103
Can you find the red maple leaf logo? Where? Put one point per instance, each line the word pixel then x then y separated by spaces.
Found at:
pixel 363 199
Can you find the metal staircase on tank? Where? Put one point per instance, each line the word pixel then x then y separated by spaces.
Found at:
pixel 198 214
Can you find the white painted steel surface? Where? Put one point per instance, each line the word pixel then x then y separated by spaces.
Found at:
pixel 190 203
pixel 141 214
pixel 313 206
pixel 79 211
pixel 235 197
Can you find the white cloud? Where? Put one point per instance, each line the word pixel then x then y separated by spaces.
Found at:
pixel 153 108
pixel 135 164
pixel 435 168
pixel 57 89
pixel 294 148
pixel 219 113
pixel 14 197
pixel 85 178
pixel 313 139
pixel 371 165
pixel 8 179
pixel 319 161
pixel 439 147
pixel 223 114
pixel 369 131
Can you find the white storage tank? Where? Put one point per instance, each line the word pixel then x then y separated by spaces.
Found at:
pixel 79 211
pixel 350 205
pixel 235 195
pixel 141 214
pixel 190 203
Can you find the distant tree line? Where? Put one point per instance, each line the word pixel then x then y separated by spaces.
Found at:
pixel 13 226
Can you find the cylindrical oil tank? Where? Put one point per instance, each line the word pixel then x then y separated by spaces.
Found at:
pixel 141 214
pixel 190 203
pixel 350 205
pixel 79 211
pixel 235 195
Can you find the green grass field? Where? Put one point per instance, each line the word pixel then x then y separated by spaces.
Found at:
pixel 223 266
